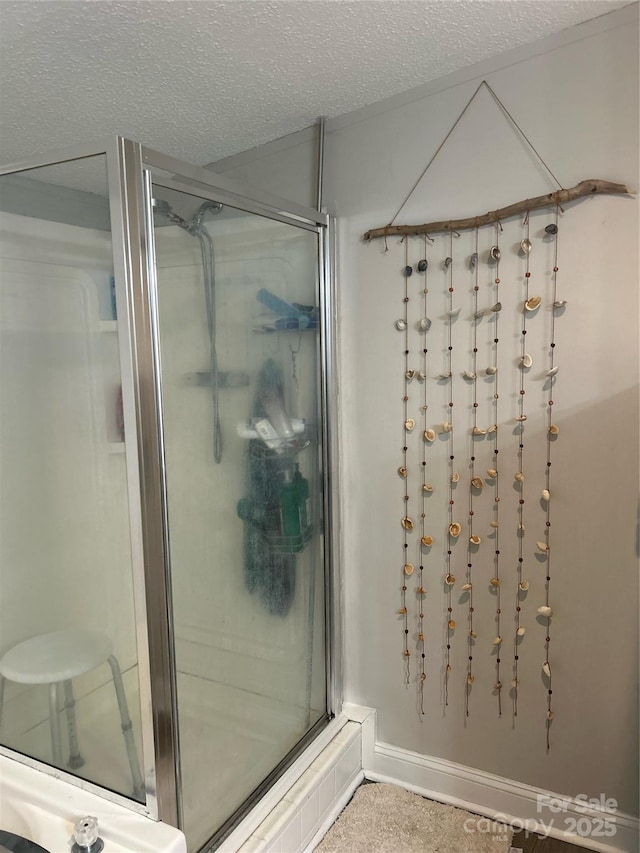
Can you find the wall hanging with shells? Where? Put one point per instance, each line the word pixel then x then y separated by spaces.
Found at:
pixel 480 311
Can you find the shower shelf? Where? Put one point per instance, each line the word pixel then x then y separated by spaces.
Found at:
pixel 108 326
pixel 265 330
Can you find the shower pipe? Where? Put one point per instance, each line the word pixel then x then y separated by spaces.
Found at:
pixel 196 228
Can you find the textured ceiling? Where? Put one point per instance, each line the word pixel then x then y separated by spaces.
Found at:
pixel 203 80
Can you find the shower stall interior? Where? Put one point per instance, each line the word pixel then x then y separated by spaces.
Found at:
pixel 166 621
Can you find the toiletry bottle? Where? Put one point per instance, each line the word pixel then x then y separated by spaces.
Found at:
pixel 302 489
pixel 112 292
pixel 289 506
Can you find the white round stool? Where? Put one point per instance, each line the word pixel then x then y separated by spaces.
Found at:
pixel 56 659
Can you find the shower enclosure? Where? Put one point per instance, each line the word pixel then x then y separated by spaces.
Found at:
pixel 165 470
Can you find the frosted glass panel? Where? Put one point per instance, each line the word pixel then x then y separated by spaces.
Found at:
pixel 239 346
pixel 67 632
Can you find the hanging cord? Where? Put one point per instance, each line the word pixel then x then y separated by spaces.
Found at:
pixel 453 127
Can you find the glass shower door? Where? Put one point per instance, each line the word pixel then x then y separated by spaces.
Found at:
pixel 239 347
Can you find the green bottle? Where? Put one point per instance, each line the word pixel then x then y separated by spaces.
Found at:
pixel 289 506
pixel 302 488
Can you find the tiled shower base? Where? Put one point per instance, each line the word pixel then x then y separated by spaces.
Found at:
pixel 309 808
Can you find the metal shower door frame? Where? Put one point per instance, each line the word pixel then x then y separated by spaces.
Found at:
pixel 182 177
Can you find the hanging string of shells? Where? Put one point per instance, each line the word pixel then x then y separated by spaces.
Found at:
pixel 493 374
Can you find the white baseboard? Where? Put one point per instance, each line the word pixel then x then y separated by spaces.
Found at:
pixel 502 799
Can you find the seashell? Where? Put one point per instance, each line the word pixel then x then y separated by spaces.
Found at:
pixel 406 653
pixel 427 540
pixel 409 424
pixel 408 569
pixel 497 641
pixel 477 483
pixel 473 261
pixel 497 685
pixel 546 494
pixel 521 526
pixel 451 624
pixel 494 524
pixel 401 325
pixel 408 271
pixel 545 610
pixel 447 426
pixel 492 428
pixel 422 265
pixel 422 375
pixel 429 435
pixel 448 262
pixel 473 635
pixel 542 546
pixel 491 370
pixel 492 473
pixel 470 679
pixel 444 376
pixel 468 374
pixel 495 581
pixel 546 668
pixel 553 371
pixel 420 591
pixel 515 682
pixel 559 303
pixel 478 431
pixel 407 523
pixel 450 580
pixel 532 303
pixel 453 313
pixel 554 430
pixel 521 631
pixel 475 539
pixel 454 529
pixel 521 418
pixel 494 253
pixel 495 309
pixel 519 476
pixel 524 585
pixel 402 471
pixel 479 314
pixel 526 360
pixel 525 246
pixel 549 715
pixel 455 477
pixel 551 229
pixel 448 667
pixel 409 374
pixel 425 324
pixel 402 610
pixel 466 587
pixel 427 487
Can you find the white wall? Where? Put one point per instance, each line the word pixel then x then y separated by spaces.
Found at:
pixel 576 96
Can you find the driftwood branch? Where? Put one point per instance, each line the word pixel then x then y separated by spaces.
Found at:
pixel 593 186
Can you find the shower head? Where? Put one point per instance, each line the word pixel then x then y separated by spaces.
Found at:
pixel 163 208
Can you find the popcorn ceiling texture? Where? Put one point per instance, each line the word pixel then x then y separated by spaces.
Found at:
pixel 204 80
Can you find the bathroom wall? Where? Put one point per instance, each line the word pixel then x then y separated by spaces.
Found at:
pixel 65 550
pixel 576 96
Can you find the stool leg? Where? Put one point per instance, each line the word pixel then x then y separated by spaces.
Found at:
pixel 54 723
pixel 75 759
pixel 127 729
pixel 2 680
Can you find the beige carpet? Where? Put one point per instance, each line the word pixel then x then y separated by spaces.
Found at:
pixel 386 819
